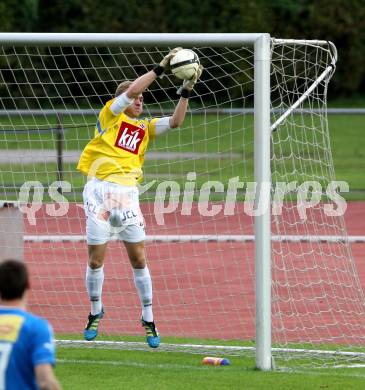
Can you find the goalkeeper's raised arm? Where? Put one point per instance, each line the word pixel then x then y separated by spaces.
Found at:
pixel 113 162
pixel 129 95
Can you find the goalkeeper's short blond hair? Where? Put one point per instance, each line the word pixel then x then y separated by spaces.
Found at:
pixel 122 87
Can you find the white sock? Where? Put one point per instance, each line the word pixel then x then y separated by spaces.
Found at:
pixel 143 283
pixel 94 286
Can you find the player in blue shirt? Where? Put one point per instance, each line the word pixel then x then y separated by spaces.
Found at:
pixel 27 353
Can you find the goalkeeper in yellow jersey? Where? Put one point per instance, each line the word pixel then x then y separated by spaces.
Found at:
pixel 113 161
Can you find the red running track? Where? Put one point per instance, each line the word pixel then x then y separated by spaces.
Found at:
pixel 204 289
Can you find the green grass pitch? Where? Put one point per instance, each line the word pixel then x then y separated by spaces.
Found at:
pixel 80 369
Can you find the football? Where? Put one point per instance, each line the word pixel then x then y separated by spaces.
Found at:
pixel 184 64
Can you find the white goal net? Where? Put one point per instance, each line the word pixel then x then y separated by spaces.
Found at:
pixel 196 198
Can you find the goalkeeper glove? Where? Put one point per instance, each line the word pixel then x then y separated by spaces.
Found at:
pixel 188 85
pixel 161 68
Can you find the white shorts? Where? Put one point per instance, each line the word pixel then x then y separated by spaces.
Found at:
pixel 112 210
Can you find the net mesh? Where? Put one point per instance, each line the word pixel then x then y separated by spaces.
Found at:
pixel 200 242
pixel 317 295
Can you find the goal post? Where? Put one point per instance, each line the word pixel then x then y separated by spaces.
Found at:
pixel 262 221
pixel 225 263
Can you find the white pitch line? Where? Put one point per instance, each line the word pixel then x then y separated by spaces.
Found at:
pixel 129 364
pixel 325 373
pixel 231 350
pixel 357 365
pixel 184 367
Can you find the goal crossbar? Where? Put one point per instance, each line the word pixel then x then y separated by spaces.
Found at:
pixel 129 39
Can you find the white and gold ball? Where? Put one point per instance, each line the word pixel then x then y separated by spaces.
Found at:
pixel 184 64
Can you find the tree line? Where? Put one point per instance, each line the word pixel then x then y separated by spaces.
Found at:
pixel 340 21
